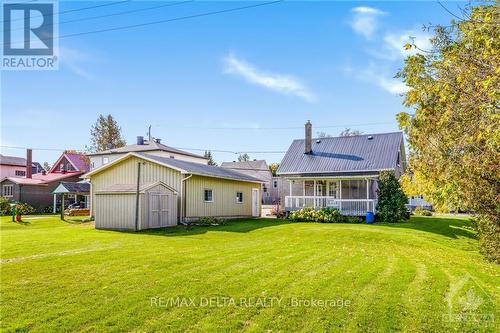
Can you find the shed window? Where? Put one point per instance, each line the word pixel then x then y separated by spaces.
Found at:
pixel 20 173
pixel 8 190
pixel 208 195
pixel 239 197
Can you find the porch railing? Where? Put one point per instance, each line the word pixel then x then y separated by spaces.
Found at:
pixel 353 207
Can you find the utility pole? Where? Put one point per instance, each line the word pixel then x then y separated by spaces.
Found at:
pixel 149 133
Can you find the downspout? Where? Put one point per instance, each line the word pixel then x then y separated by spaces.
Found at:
pixel 182 197
pixel 137 196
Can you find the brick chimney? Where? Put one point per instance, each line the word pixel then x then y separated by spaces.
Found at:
pixel 29 163
pixel 308 138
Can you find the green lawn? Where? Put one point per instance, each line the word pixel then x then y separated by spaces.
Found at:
pixel 60 276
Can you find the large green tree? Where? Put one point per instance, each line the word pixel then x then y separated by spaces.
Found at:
pixel 454 128
pixel 104 133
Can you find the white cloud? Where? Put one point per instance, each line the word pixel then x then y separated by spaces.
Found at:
pixel 392 85
pixel 394 44
pixel 281 83
pixel 365 21
pixel 377 77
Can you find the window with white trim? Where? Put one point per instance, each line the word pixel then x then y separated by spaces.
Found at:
pixel 105 160
pixel 8 190
pixel 239 197
pixel 208 195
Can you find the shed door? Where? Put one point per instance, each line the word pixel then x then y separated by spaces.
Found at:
pixel 160 211
pixel 154 210
pixel 255 202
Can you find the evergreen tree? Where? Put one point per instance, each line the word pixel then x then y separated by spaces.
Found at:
pixel 391 199
pixel 210 158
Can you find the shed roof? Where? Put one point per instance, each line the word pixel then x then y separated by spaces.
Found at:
pixel 132 188
pixel 184 167
pixel 200 169
pixel 147 146
pixel 370 152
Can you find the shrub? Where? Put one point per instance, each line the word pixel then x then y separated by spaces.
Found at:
pixel 277 212
pixel 4 206
pixel 422 212
pixel 324 215
pixel 48 209
pixel 209 220
pixel 392 201
pixel 25 209
pixel 489 237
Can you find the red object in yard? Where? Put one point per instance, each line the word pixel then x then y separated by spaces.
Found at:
pixel 18 218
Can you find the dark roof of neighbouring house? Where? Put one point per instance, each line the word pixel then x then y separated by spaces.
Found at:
pixel 147 146
pixel 256 168
pixel 344 154
pixel 199 169
pixel 12 160
pixel 70 187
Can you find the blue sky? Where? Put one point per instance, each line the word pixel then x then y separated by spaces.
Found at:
pixel 218 82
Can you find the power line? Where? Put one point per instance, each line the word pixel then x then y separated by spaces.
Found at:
pixel 170 4
pixel 76 9
pixel 279 128
pixel 181 148
pixel 180 18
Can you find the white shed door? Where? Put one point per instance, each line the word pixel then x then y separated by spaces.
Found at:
pixel 160 210
pixel 255 202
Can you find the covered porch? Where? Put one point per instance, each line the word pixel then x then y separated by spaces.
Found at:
pixel 352 196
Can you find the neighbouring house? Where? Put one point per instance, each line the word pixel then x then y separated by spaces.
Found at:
pixel 153 147
pixel 418 201
pixel 142 191
pixel 36 189
pixel 275 190
pixel 338 172
pixel 257 169
pixel 12 166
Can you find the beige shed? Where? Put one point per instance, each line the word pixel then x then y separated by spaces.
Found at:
pixel 142 191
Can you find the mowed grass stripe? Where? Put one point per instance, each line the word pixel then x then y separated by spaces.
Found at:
pixel 110 290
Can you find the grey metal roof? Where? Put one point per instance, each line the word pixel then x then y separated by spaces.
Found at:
pixel 256 168
pixel 69 187
pixel 12 160
pixel 199 169
pixel 343 154
pixel 147 146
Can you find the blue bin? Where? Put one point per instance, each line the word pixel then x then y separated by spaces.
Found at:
pixel 370 217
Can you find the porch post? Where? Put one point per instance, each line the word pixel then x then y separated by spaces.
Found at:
pixel 367 195
pixel 314 193
pixel 340 192
pixel 55 203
